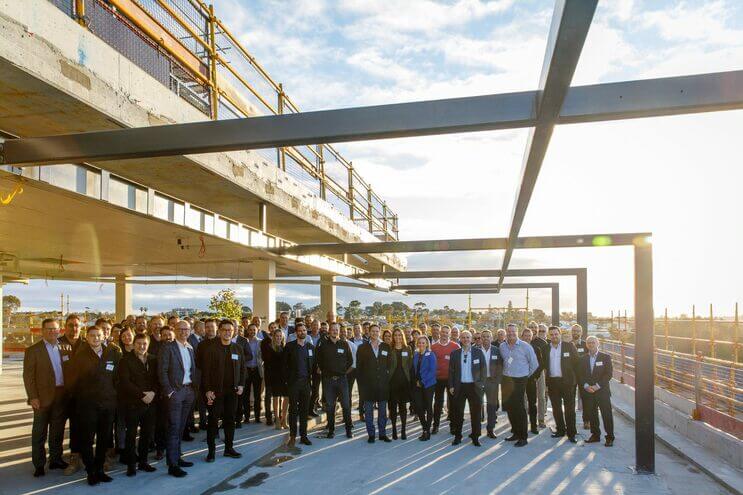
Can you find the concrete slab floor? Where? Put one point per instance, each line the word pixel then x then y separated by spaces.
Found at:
pixel 352 466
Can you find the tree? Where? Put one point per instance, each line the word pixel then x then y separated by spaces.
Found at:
pixel 10 304
pixel 353 311
pixel 226 305
pixel 283 306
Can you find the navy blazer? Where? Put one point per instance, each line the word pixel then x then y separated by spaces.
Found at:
pixel 428 368
pixel 477 363
pixel 170 368
pixel 601 374
pixel 496 363
pixel 244 345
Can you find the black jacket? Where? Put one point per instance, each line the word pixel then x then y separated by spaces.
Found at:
pixel 373 372
pixel 601 375
pixel 135 378
pixel 536 344
pixel 245 346
pixel 289 357
pixel 569 363
pixel 334 359
pixel 212 373
pixel 477 363
pixel 92 379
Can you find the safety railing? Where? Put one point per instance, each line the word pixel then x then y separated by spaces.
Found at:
pixel 184 45
pixel 715 386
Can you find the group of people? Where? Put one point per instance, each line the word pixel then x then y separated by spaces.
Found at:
pixel 137 387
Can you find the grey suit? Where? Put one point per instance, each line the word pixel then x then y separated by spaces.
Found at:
pixel 492 382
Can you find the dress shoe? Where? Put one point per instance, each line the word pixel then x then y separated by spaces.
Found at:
pixel 593 439
pixel 572 440
pixel 385 438
pixel 176 471
pixel 74 465
pixel 435 430
pixel 586 425
pixel 457 440
pixel 475 442
pixel 232 453
pixel 102 476
pixel 422 438
pixel 93 479
pixel 210 456
pixel 534 430
pixel 370 440
pixel 403 435
pixel 349 433
pixel 609 442
pixel 159 455
pixel 131 470
pixel 331 434
pixel 305 441
pixel 39 472
pixel 512 438
pixel 291 442
pixel 143 466
pixel 491 434
pixel 187 437
pixel 60 464
pixel 182 463
pixel 558 434
pixel 394 433
pixel 520 443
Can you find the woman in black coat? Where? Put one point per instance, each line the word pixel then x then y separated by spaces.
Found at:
pixel 275 377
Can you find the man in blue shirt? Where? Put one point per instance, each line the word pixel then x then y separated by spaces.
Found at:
pixel 519 363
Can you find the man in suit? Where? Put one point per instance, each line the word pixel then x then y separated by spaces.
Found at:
pixel 288 330
pixel 531 382
pixel 69 343
pixel 576 332
pixel 137 389
pixel 467 373
pixel 562 367
pixel 253 375
pixel 243 404
pixel 373 364
pixel 177 374
pixel 222 383
pixel 540 340
pixel 520 362
pixel 596 374
pixel 335 360
pixel 299 361
pixel 43 378
pixel 493 377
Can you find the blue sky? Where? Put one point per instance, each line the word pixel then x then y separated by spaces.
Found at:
pixel 679 177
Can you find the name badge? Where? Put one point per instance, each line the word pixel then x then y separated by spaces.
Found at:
pixel 475 361
pixel 404 353
pixel 428 353
pixel 384 353
pixel 310 352
pixel 599 363
pixel 447 357
pixel 341 351
pixel 510 360
pixel 109 366
pixel 65 358
pixel 494 357
pixel 580 349
pixel 565 354
pixel 235 357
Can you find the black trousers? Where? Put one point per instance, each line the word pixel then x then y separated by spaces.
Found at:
pixel 96 425
pixel 562 398
pixel 267 402
pixel 71 414
pixel 582 394
pixel 315 395
pixel 351 381
pixel 468 393
pixel 140 417
pixel 299 402
pixel 49 423
pixel 531 399
pixel 161 423
pixel 223 407
pixel 252 381
pixel 593 403
pixel 423 402
pixel 441 390
pixel 513 404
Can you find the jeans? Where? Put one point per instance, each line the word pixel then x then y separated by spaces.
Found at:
pixel 336 388
pixel 179 407
pixel 51 419
pixel 381 417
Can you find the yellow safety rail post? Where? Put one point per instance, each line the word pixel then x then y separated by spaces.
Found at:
pixel 80 13
pixel 711 333
pixel 672 371
pixel 213 60
pixel 665 326
pixel 696 413
pixel 370 207
pixel 349 192
pixel 693 329
pixel 731 388
pixel 282 151
pixel 621 350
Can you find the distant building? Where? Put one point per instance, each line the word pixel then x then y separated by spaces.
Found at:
pixel 183 311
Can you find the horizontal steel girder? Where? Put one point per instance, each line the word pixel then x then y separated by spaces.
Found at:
pixel 516 272
pixel 540 242
pixel 612 101
pixel 525 285
pixel 474 290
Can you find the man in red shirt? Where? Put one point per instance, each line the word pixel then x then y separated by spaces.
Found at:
pixel 442 349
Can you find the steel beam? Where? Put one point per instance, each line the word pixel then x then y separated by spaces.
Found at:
pixel 517 272
pixel 515 285
pixel 570 23
pixel 539 242
pixel 456 289
pixel 644 361
pixel 599 102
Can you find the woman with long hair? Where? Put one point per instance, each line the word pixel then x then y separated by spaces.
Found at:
pixel 400 365
pixel 275 376
pixel 387 337
pixel 423 376
pixel 126 340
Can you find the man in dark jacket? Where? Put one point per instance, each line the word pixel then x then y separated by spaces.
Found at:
pixel 242 408
pixel 334 360
pixel 531 382
pixel 299 361
pixel 137 391
pixel 493 378
pixel 92 373
pixel 222 382
pixel 596 374
pixel 373 375
pixel 576 331
pixel 467 374
pixel 562 368
pixel 43 378
pixel 69 343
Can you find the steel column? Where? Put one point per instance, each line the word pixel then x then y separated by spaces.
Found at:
pixel 644 360
pixel 556 305
pixel 581 288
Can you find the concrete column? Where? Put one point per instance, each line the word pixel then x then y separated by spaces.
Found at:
pixel 1 326
pixel 264 293
pixel 581 280
pixel 556 305
pixel 644 360
pixel 123 298
pixel 327 295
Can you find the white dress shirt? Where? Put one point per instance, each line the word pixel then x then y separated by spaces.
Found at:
pixel 555 360
pixel 186 357
pixel 466 361
pixel 487 359
pixel 56 358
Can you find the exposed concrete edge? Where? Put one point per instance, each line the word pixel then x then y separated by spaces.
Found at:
pixel 715 466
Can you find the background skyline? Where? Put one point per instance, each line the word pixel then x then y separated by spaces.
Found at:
pixel 678 177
